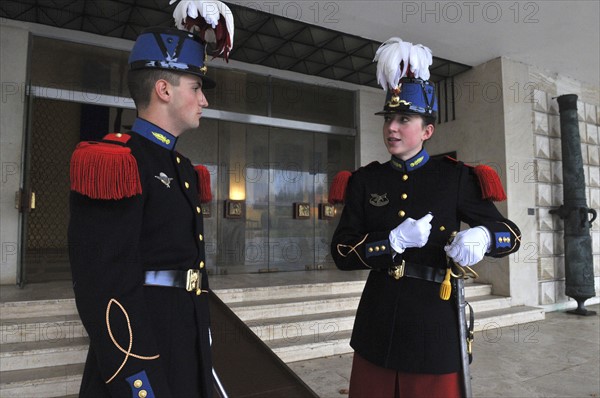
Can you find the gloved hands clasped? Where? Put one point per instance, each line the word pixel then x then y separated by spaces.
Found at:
pixel 469 246
pixel 411 233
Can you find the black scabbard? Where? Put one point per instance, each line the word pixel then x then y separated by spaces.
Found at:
pixel 465 335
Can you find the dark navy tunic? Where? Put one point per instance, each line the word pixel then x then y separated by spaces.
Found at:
pixel 147 338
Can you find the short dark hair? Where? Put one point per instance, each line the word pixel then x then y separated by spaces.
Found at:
pixel 141 83
pixel 427 120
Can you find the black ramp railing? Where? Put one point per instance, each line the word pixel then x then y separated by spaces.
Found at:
pixel 244 364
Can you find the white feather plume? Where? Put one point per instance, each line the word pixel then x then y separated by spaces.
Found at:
pixel 393 58
pixel 211 11
pixel 420 60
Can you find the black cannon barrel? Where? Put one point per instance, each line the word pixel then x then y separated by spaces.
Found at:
pixel 579 269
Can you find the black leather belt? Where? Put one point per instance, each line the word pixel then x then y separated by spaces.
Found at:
pixel 190 280
pixel 418 271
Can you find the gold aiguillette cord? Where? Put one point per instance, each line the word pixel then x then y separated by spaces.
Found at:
pixel 463 272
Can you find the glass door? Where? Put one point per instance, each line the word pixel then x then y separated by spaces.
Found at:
pixel 243 198
pixel 292 211
pixel 332 154
pixel 268 185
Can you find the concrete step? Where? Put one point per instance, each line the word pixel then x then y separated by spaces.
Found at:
pixel 473 289
pixel 259 303
pixel 10 311
pixel 306 326
pixel 20 356
pixel 294 328
pixel 231 296
pixel 37 308
pixel 324 336
pixel 24 313
pixel 310 347
pixel 252 310
pixel 46 328
pixel 260 309
pixel 337 343
pixel 488 303
pixel 498 318
pixel 289 291
pixel 53 381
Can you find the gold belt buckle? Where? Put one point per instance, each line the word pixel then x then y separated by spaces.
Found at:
pixel 193 281
pixel 397 271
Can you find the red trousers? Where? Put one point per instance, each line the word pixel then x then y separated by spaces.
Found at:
pixel 371 381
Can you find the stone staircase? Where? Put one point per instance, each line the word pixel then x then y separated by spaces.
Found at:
pixel 303 322
pixel 43 348
pixel 44 344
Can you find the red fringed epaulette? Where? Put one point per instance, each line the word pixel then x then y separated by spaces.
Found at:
pixel 489 182
pixel 337 190
pixel 105 169
pixel 203 184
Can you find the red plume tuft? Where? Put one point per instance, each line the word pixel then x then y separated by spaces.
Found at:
pixel 491 186
pixel 205 195
pixel 211 20
pixel 337 191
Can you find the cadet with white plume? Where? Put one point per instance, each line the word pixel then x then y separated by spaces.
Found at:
pixel 397 221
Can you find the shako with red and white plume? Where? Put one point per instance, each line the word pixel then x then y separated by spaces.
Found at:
pixel 108 169
pixel 211 20
pixel 183 49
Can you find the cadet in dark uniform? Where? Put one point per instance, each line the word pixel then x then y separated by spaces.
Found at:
pixel 397 221
pixel 136 237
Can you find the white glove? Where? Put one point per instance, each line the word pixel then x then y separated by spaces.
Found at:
pixel 469 246
pixel 411 233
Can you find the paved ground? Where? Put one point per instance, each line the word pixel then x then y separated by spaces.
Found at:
pixel 557 357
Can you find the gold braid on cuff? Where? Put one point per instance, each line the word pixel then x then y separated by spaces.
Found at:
pixel 517 237
pixel 127 352
pixel 353 249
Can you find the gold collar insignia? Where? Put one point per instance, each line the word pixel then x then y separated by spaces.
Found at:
pixel 161 138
